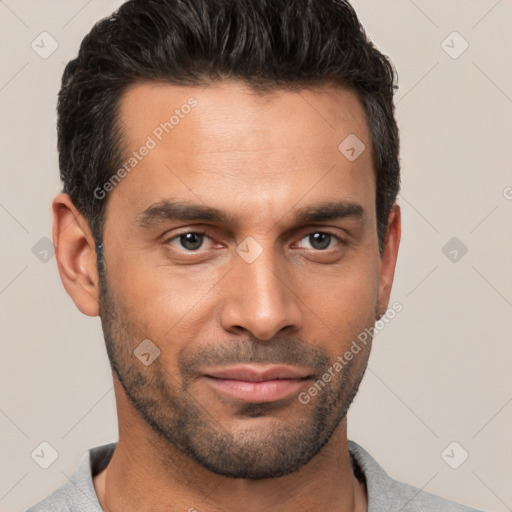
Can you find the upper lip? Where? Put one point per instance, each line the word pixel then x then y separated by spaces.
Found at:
pixel 251 373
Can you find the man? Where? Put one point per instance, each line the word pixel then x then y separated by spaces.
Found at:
pixel 230 173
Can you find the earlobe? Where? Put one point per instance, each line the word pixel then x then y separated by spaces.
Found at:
pixel 389 257
pixel 76 255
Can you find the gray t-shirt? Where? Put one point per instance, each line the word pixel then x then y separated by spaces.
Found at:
pixel 384 493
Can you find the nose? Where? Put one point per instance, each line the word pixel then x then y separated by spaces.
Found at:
pixel 259 298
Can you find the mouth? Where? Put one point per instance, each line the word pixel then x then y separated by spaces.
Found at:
pixel 251 383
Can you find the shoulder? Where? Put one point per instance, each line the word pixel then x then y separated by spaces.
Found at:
pixel 412 499
pixel 78 493
pixel 61 500
pixel 385 493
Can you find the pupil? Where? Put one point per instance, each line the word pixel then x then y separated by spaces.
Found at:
pixel 192 241
pixel 320 240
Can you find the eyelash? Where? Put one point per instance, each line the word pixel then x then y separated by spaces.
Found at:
pixel 205 233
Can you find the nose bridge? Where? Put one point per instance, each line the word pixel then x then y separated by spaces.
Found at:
pixel 257 296
pixel 264 285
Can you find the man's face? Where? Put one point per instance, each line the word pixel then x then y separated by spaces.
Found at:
pixel 225 298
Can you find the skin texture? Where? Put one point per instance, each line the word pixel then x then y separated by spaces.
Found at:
pixel 183 445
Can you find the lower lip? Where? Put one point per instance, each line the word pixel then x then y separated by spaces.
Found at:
pixel 265 391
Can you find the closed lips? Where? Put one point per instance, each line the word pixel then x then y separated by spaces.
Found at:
pixel 255 374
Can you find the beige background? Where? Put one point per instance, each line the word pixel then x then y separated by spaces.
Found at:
pixel 440 371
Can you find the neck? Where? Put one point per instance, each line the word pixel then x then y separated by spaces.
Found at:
pixel 148 473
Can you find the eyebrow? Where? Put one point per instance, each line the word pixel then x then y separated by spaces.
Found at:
pixel 169 210
pixel 330 210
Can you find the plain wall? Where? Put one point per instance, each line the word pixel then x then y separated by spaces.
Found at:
pixel 439 372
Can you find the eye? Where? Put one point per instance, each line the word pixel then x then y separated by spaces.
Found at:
pixel 320 240
pixel 190 241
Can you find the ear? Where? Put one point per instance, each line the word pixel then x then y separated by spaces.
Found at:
pixel 76 255
pixel 388 257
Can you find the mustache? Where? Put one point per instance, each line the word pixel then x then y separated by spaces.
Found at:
pixel 282 351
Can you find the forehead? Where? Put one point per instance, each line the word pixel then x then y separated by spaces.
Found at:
pixel 225 139
pixel 306 116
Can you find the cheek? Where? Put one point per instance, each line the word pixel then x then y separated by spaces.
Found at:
pixel 159 301
pixel 345 301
